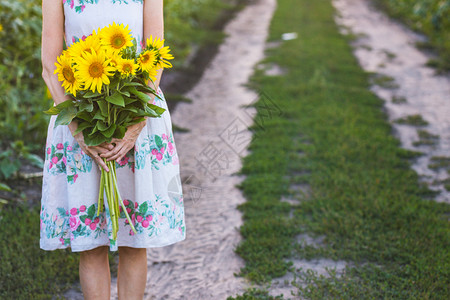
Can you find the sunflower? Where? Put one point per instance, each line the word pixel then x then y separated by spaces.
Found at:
pixel 154 43
pixel 147 60
pixel 94 70
pixel 127 67
pixel 66 73
pixel 116 37
pixel 113 57
pixel 164 55
pixel 91 42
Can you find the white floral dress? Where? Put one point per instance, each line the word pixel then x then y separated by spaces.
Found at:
pixel 148 176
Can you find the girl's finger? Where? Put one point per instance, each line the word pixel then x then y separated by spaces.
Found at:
pixel 101 163
pixel 118 157
pixel 112 151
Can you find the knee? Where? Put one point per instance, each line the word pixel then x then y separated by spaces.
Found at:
pixel 132 252
pixel 95 254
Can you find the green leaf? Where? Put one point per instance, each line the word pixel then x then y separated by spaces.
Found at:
pixel 82 126
pixel 90 94
pixel 158 141
pixel 54 110
pixel 132 83
pixel 159 110
pixel 116 99
pixel 143 208
pixel 87 106
pixel 102 125
pixel 120 132
pixel 66 116
pixel 84 115
pixel 125 93
pixel 83 218
pixel 91 211
pixel 34 160
pixel 99 116
pixel 142 96
pixel 103 105
pixel 4 187
pixel 95 139
pixel 129 100
pixel 110 131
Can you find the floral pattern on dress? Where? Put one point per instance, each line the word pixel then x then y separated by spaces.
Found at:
pixel 66 225
pixel 161 149
pixel 67 159
pixel 80 5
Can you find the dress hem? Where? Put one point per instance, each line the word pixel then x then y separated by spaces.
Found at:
pixel 90 246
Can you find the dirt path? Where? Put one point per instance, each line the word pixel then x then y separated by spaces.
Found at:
pixel 202 266
pixel 388 48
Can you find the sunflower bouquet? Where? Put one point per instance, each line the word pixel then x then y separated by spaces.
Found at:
pixel 107 81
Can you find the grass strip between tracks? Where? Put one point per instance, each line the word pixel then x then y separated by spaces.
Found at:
pixel 332 134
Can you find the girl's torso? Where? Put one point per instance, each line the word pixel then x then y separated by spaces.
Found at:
pixel 84 16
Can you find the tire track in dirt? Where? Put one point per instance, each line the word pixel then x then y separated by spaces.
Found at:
pixel 203 266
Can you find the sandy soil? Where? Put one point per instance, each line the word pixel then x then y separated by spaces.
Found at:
pixel 388 48
pixel 203 266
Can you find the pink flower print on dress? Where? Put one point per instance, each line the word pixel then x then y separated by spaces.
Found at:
pixel 74 211
pixel 82 208
pixel 73 38
pixel 139 219
pixel 87 221
pixel 149 218
pixel 136 205
pixel 124 161
pixel 75 177
pixel 171 148
pixel 93 225
pixel 126 202
pixel 164 136
pixel 159 156
pixel 69 148
pixel 64 160
pixel 50 165
pixel 82 7
pixel 60 146
pixel 145 223
pixel 154 151
pixel 54 159
pixel 74 223
pixel 49 150
pixel 162 150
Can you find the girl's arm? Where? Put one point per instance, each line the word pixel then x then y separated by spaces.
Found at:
pixel 154 26
pixel 52 47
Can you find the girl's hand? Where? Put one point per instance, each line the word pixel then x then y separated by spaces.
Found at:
pixel 93 151
pixel 122 146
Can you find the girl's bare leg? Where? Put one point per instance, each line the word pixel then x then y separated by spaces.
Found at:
pixel 132 273
pixel 95 277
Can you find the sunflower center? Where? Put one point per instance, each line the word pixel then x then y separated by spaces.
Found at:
pixel 68 75
pixel 117 41
pixel 96 70
pixel 127 68
pixel 145 58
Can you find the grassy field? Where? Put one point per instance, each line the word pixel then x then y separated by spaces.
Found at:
pixel 365 201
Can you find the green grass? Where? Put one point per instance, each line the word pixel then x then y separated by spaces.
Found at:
pixel 25 270
pixel 365 199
